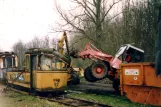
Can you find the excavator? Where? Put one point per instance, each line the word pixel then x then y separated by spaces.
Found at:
pixel 60 46
pixel 139 81
pixel 107 66
pixel 74 72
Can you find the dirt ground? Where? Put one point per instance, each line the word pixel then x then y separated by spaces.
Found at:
pixel 13 99
pixel 2 102
pixel 2 86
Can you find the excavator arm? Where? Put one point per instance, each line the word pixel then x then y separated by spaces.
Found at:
pixel 60 45
pixel 91 51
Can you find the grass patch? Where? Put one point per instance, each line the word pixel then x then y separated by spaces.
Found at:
pixel 13 99
pixel 109 99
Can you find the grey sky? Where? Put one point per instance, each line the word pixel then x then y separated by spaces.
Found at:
pixel 24 19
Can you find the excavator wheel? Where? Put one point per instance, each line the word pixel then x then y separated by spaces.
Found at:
pixel 75 79
pixel 88 75
pixel 99 70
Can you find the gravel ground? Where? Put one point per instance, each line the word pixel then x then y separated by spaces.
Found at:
pixel 2 86
pixel 103 85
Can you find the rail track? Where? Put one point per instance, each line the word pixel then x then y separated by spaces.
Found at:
pixel 74 102
pixel 66 100
pixel 92 86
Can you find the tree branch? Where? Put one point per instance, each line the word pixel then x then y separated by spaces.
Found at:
pixel 114 16
pixel 109 10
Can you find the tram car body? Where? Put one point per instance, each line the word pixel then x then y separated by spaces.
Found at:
pixel 8 62
pixel 44 70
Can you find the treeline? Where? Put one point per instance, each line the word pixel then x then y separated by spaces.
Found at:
pixel 136 24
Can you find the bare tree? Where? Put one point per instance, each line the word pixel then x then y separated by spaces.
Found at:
pixel 19 48
pixel 37 42
pixel 140 25
pixel 45 42
pixel 87 17
pixel 53 43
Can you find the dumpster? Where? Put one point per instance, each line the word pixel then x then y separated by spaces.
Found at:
pixel 139 83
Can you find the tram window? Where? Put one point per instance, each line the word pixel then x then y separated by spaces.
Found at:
pixel 34 62
pixel 46 62
pixel 9 61
pixel 58 64
pixel 27 63
pixel 39 62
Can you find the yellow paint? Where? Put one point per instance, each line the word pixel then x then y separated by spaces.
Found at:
pixel 12 75
pixel 27 85
pixel 42 80
pixel 45 67
pixel 79 71
pixel 50 79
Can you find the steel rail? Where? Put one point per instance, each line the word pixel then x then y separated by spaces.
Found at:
pixel 74 102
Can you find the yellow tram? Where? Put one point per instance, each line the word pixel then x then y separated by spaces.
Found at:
pixel 44 70
pixel 8 62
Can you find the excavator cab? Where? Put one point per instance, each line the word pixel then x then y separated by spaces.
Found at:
pixel 129 53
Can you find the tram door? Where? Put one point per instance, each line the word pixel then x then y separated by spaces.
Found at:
pixel 33 63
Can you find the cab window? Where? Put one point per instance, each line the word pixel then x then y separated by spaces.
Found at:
pixel 50 62
pixel 45 62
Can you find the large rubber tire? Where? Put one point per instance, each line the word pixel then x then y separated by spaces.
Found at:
pixel 88 75
pixel 116 84
pixel 75 79
pixel 99 70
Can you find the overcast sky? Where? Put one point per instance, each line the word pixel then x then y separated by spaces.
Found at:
pixel 24 19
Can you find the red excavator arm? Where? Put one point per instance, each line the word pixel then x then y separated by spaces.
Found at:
pixel 92 52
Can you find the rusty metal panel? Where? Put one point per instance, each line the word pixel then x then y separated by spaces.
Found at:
pixel 150 77
pixel 24 77
pixel 23 80
pixel 140 84
pixel 142 74
pixel 50 80
pixel 42 80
